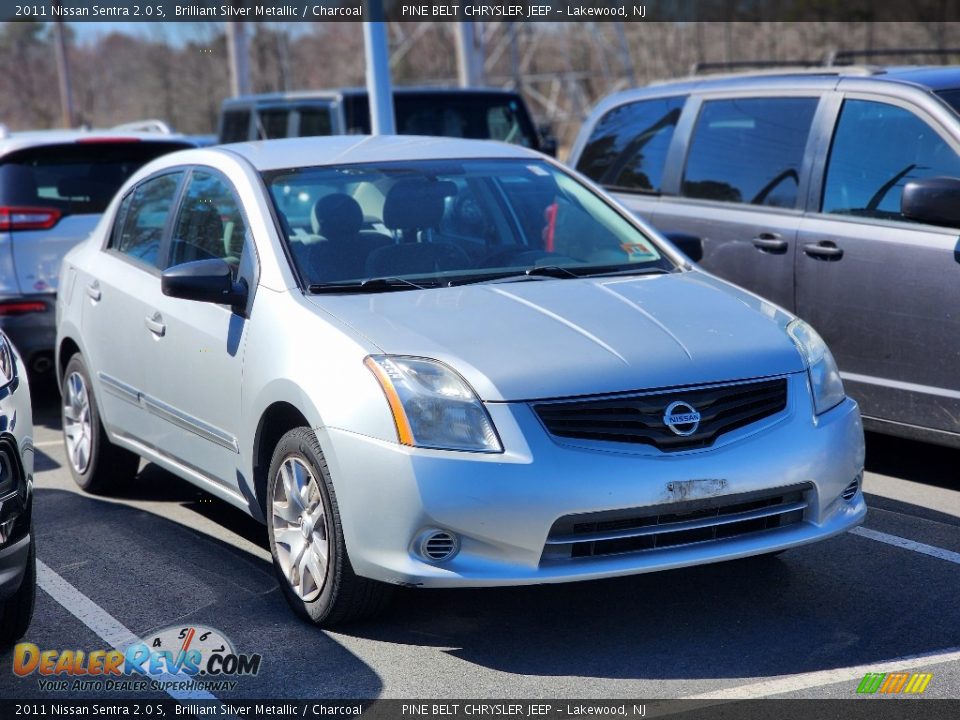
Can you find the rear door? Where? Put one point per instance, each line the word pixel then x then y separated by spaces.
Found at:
pixel 741 189
pixel 881 289
pixel 116 316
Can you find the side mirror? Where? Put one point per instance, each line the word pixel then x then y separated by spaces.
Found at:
pixel 689 245
pixel 935 201
pixel 204 281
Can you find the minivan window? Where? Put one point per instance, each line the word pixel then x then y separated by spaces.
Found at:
pixel 877 149
pixel 138 229
pixel 628 147
pixel 749 150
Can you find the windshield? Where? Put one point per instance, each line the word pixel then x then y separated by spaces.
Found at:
pixel 443 222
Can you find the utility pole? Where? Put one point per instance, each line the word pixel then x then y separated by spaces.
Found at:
pixel 63 73
pixel 238 58
pixel 379 89
pixel 469 54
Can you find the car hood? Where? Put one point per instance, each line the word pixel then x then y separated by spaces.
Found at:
pixel 555 338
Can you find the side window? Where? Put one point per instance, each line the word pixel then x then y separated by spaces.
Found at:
pixel 138 229
pixel 749 150
pixel 628 147
pixel 314 121
pixel 236 126
pixel 209 224
pixel 272 123
pixel 877 149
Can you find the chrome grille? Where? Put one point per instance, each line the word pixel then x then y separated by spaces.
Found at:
pixel 674 524
pixel 640 418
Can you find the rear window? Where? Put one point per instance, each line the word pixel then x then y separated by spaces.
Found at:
pixel 628 147
pixel 74 178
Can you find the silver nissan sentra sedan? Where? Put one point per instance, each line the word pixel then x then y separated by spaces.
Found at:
pixel 442 363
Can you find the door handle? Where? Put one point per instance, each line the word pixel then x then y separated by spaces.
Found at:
pixel 770 243
pixel 825 249
pixel 155 324
pixel 93 290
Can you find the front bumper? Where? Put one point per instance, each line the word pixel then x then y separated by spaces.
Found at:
pixel 502 507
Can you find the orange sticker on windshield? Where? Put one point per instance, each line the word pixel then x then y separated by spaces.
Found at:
pixel 638 251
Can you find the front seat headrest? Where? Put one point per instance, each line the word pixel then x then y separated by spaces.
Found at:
pixel 336 216
pixel 414 203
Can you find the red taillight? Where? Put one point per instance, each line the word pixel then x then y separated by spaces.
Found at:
pixel 28 218
pixel 21 307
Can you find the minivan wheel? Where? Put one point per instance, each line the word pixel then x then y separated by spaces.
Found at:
pixel 306 538
pixel 96 464
pixel 17 610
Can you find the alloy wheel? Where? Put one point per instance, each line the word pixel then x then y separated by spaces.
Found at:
pixel 77 428
pixel 300 528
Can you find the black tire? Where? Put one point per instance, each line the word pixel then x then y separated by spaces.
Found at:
pixel 17 610
pixel 107 465
pixel 344 596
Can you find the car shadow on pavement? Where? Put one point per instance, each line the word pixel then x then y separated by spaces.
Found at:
pixel 834 604
pixel 913 460
pixel 149 572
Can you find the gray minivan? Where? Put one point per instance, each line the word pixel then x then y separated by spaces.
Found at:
pixel 834 193
pixel 476 113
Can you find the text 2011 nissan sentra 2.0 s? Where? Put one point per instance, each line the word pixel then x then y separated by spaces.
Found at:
pixel 440 363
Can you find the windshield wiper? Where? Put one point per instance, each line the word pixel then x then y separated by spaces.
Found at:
pixel 613 270
pixel 381 284
pixel 533 273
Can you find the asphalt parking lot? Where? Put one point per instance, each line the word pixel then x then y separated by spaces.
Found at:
pixel 808 623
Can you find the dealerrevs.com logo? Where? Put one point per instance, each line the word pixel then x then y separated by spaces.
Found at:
pixel 894 683
pixel 175 658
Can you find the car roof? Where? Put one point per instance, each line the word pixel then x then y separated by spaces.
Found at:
pixel 349 149
pixel 37 138
pixel 334 93
pixel 933 77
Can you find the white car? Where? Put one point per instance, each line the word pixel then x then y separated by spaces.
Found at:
pixel 438 363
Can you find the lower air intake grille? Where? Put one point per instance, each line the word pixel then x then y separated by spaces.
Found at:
pixel 683 523
pixel 641 418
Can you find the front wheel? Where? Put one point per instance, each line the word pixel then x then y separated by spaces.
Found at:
pixel 306 538
pixel 97 465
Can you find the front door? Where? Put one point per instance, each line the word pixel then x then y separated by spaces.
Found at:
pixel 193 374
pixel 880 289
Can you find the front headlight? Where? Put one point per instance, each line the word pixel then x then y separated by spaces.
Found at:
pixel 7 367
pixel 821 367
pixel 432 405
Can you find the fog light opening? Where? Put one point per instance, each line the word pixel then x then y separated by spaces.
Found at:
pixel 850 491
pixel 437 545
